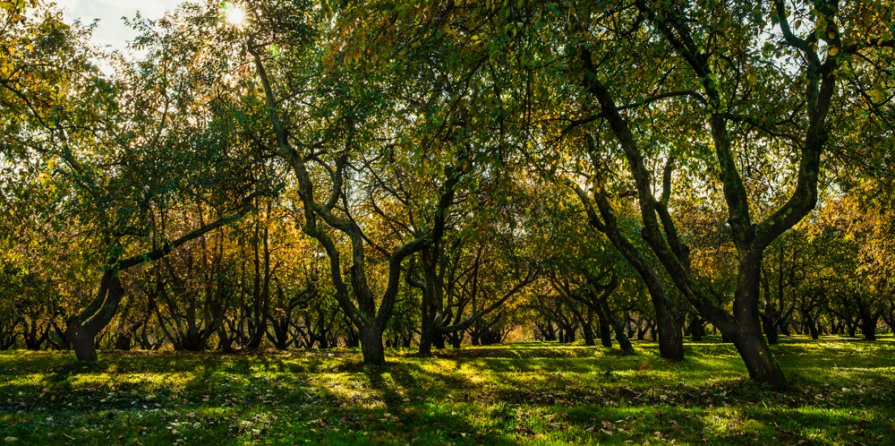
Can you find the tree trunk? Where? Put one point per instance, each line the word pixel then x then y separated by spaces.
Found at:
pixel 770 328
pixel 605 332
pixel 624 343
pixel 815 332
pixel 761 365
pixel 280 338
pixel 81 329
pixel 588 334
pixel 697 328
pixel 868 327
pixel 438 341
pixel 620 335
pixel 671 337
pixel 548 333
pixel 642 328
pixel 456 341
pixel 82 341
pixel 371 345
pixel 425 347
pixel 748 337
pixel 123 341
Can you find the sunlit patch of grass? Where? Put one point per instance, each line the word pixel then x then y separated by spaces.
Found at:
pixel 28 379
pixel 169 381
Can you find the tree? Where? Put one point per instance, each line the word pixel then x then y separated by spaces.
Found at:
pixel 109 149
pixel 715 86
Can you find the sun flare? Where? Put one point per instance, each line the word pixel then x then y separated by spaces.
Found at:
pixel 234 15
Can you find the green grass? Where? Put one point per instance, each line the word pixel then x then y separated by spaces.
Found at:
pixel 843 392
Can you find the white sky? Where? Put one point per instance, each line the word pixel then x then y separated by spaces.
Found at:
pixel 111 29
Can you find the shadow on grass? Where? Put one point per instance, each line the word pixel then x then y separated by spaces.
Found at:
pixel 494 395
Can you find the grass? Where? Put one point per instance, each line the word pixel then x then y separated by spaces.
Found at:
pixel 843 392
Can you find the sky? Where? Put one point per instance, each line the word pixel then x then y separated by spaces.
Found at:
pixel 111 29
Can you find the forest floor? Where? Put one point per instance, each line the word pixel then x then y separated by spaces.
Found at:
pixel 843 392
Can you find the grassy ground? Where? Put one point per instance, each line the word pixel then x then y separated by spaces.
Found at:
pixel 843 392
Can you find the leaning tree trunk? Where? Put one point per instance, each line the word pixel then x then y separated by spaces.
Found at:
pixel 671 338
pixel 623 342
pixel 81 329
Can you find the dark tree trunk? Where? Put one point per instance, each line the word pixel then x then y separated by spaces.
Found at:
pixel 762 367
pixel 642 329
pixel 747 336
pixel 438 341
pixel 427 332
pixel 815 331
pixel 868 326
pixel 456 340
pixel 225 341
pixel 123 341
pixel 671 337
pixel 588 332
pixel 770 328
pixel 81 330
pixel 605 331
pixel 34 335
pixel 547 331
pixel 82 340
pixel 425 347
pixel 570 334
pixel 623 342
pixel 280 337
pixel 810 325
pixel 371 345
pixel 697 328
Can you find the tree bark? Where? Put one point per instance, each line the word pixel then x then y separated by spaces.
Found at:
pixel 82 340
pixel 371 345
pixel 81 329
pixel 746 334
